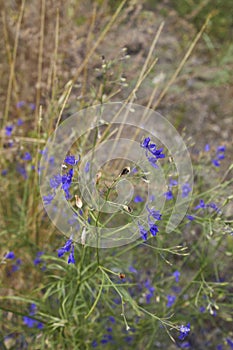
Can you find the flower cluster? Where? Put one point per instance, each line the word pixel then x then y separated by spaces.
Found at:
pixel 64 180
pixel 68 247
pixel 219 154
pixel 153 228
pixel 30 322
pixel 152 153
pixel 11 256
pixel 202 205
pixel 184 331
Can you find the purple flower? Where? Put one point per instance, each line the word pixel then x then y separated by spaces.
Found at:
pixel 8 130
pixel 27 156
pixel 66 183
pixel 213 206
pixel 71 160
pixel 132 269
pixel 55 181
pixel 143 232
pixel 16 266
pixel 150 289
pixel 38 259
pixel 190 217
pixel 10 255
pixel 94 344
pixel 170 300
pixel 176 274
pixel 185 190
pixel 184 331
pixel 20 104
pixel 22 171
pixel 221 149
pixel 154 229
pixel 229 342
pixel 207 147
pixel 168 195
pixel 112 319
pixel 32 106
pixel 4 172
pixel 87 167
pixel 201 205
pixel 202 309
pixel 173 183
pixel 156 153
pixel 145 143
pixel 48 199
pixel 215 162
pixel 19 122
pixel 154 213
pixel 138 199
pixel 29 322
pixel 65 249
pixel 71 259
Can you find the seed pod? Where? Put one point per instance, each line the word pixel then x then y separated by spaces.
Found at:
pixel 98 176
pixel 78 202
pixel 125 171
pixel 127 208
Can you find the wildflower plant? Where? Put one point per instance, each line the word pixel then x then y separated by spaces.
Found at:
pixel 117 241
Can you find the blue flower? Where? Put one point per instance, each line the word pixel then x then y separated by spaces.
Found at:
pixel 71 160
pixel 145 143
pixel 21 169
pixel 32 106
pixel 8 130
pixel 48 199
pixel 19 122
pixel 10 255
pixel 190 217
pixel 176 274
pixel 184 331
pixel 112 319
pixel 185 190
pixel 66 183
pixel 229 342
pixel 151 148
pixel 20 104
pixel 150 289
pixel 168 195
pixel 154 229
pixel 173 183
pixel 71 259
pixel 143 232
pixel 16 266
pixel 87 167
pixel 132 269
pixel 28 321
pixel 201 205
pixel 221 149
pixel 38 259
pixel 94 344
pixel 154 213
pixel 27 156
pixel 55 181
pixel 207 147
pixel 216 162
pixel 202 309
pixel 4 172
pixel 170 300
pixel 65 249
pixel 138 199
